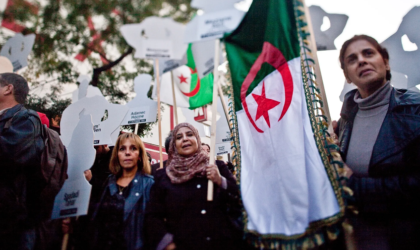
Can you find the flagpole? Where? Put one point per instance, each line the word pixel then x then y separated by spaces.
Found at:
pixel 174 99
pixel 315 57
pixel 159 113
pixel 136 128
pixel 214 116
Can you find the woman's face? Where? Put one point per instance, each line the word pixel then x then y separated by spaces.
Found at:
pixel 128 154
pixel 185 142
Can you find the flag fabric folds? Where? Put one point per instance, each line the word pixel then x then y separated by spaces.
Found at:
pixel 289 189
pixel 190 91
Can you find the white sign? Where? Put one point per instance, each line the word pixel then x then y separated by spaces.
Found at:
pixel 203 53
pixel 156 37
pixel 17 50
pixel 157 49
pixel 136 115
pixel 73 198
pixel 141 108
pixel 213 25
pixel 169 65
pixel 223 148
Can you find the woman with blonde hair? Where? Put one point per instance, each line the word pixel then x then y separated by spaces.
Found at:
pixel 118 217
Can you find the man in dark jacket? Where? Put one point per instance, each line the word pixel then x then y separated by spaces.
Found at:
pixel 20 150
pixel 379 137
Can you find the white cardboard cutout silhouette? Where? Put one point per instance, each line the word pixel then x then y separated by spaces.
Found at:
pixel 219 17
pixel 203 53
pixel 141 108
pixel 73 198
pixel 17 50
pixel 156 37
pixel 5 65
pixel 325 39
pixel 406 62
pixel 95 106
pixel 91 91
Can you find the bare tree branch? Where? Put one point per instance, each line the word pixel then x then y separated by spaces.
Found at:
pixel 98 71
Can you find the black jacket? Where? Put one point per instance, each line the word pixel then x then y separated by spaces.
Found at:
pixel 183 211
pixel 393 186
pixel 20 150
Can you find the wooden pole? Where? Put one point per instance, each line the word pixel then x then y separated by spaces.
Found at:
pixel 159 113
pixel 174 99
pixel 136 128
pixel 314 50
pixel 65 241
pixel 214 115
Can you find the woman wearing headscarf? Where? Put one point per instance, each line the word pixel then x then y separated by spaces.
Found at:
pixel 179 215
pixel 118 218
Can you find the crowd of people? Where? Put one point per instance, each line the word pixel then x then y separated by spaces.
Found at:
pixel 136 205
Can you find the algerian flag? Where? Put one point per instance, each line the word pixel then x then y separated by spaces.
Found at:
pixel 288 196
pixel 190 91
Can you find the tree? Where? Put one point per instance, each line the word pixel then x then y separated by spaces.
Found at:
pixel 71 31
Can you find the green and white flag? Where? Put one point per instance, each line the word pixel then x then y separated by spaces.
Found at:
pixel 190 91
pixel 289 190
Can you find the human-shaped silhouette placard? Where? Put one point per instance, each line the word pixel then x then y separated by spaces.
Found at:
pixel 91 91
pixel 106 116
pixel 156 37
pixel 325 39
pixel 220 16
pixel 400 60
pixel 141 108
pixel 17 50
pixel 203 53
pixel 5 65
pixel 73 198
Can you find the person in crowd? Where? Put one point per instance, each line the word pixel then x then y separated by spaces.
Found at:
pixel 156 166
pixel 21 146
pixel 379 138
pixel 179 215
pixel 149 157
pixel 117 221
pixel 55 123
pixel 99 171
pixel 206 147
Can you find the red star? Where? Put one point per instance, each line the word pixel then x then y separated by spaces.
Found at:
pixel 182 78
pixel 264 105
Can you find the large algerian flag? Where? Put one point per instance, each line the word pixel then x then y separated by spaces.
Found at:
pixel 190 91
pixel 290 195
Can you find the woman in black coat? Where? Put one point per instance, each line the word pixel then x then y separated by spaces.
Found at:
pixel 179 215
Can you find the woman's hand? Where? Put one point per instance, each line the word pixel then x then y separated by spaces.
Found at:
pixel 88 175
pixel 213 174
pixel 170 246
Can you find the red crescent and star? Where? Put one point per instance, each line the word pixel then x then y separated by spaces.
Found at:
pixel 273 56
pixel 264 105
pixel 195 90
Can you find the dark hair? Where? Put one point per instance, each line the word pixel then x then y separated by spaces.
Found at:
pixel 383 51
pixel 20 85
pixel 149 156
pixel 168 142
pixel 205 144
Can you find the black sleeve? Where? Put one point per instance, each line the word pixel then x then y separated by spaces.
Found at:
pixel 232 187
pixel 155 228
pixel 21 143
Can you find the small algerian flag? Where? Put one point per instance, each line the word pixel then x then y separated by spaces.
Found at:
pixel 190 91
pixel 289 197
